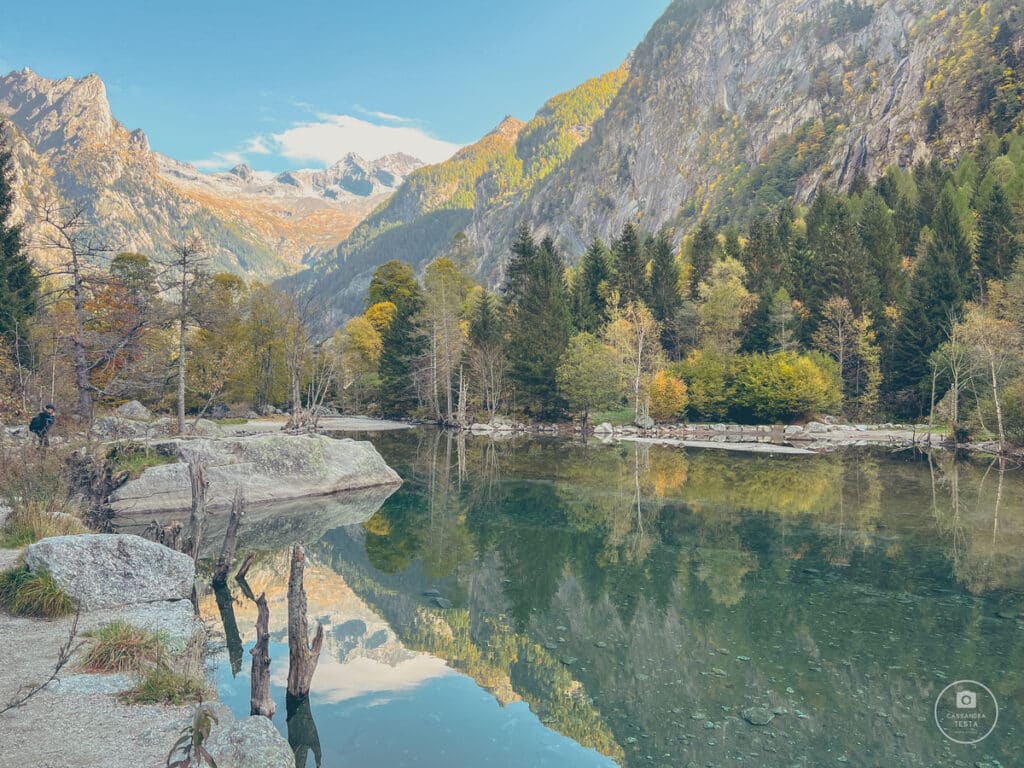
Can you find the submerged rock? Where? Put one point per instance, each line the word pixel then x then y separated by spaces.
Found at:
pixel 102 570
pixel 269 468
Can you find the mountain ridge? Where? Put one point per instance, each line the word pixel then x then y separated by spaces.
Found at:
pixel 69 148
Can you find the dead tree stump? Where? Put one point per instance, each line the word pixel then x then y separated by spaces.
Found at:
pixel 302 658
pixel 260 702
pixel 227 551
pixel 197 477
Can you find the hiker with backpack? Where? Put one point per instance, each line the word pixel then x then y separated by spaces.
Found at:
pixel 41 423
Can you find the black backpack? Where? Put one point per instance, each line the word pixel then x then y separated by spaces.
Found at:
pixel 37 424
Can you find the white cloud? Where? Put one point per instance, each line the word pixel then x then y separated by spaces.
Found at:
pixel 218 161
pixel 257 145
pixel 332 137
pixel 329 138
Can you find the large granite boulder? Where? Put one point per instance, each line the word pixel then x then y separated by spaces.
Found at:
pixel 269 468
pixel 121 428
pixel 133 409
pixel 251 742
pixel 109 570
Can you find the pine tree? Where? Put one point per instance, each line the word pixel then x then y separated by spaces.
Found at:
pixel 19 286
pixel 935 295
pixel 664 299
pixel 997 242
pixel 878 235
pixel 403 344
pixel 702 246
pixel 630 265
pixel 589 300
pixel 524 253
pixel 540 329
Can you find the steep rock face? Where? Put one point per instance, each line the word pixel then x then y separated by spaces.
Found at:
pixel 68 148
pixel 435 204
pixel 728 107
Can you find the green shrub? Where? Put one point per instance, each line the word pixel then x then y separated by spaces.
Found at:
pixel 24 593
pixel 1013 411
pixel 120 647
pixel 164 686
pixel 781 387
pixel 136 459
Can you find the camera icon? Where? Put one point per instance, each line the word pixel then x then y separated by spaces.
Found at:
pixel 966 700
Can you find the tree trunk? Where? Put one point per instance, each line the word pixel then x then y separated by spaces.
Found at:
pixel 999 407
pixel 261 702
pixel 227 551
pixel 78 356
pixel 302 658
pixel 181 371
pixel 197 477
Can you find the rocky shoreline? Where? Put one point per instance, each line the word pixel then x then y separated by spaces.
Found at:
pixel 124 578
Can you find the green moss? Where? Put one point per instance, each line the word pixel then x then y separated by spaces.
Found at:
pixel 232 421
pixel 136 459
pixel 162 686
pixel 24 593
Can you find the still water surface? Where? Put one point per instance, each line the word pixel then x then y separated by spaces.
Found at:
pixel 547 603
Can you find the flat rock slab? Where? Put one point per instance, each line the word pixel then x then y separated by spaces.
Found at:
pixel 738 447
pixel 268 468
pixel 113 570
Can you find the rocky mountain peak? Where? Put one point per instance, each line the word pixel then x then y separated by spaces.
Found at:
pixel 508 128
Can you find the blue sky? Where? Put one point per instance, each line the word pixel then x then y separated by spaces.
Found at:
pixel 289 85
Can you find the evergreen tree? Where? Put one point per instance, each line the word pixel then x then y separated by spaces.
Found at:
pixel 630 265
pixel 664 299
pixel 878 236
pixel 997 241
pixel 702 246
pixel 403 344
pixel 19 286
pixel 935 295
pixel 487 351
pixel 589 300
pixel 524 253
pixel 540 328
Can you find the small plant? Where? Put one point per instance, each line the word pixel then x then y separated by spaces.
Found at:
pixel 136 459
pixel 164 686
pixel 24 593
pixel 33 521
pixel 194 736
pixel 120 647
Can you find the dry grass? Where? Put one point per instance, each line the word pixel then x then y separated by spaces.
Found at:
pixel 24 593
pixel 120 647
pixel 35 483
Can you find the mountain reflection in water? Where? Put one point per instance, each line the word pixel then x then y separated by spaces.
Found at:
pixel 648 603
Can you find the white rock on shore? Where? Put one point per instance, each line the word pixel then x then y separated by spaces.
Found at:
pixel 269 468
pixel 113 570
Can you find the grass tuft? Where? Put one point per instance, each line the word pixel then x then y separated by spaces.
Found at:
pixel 32 521
pixel 163 686
pixel 231 421
pixel 24 593
pixel 120 647
pixel 136 459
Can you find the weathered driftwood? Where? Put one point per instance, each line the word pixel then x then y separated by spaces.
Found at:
pixel 261 702
pixel 227 551
pixel 302 658
pixel 197 477
pixel 246 565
